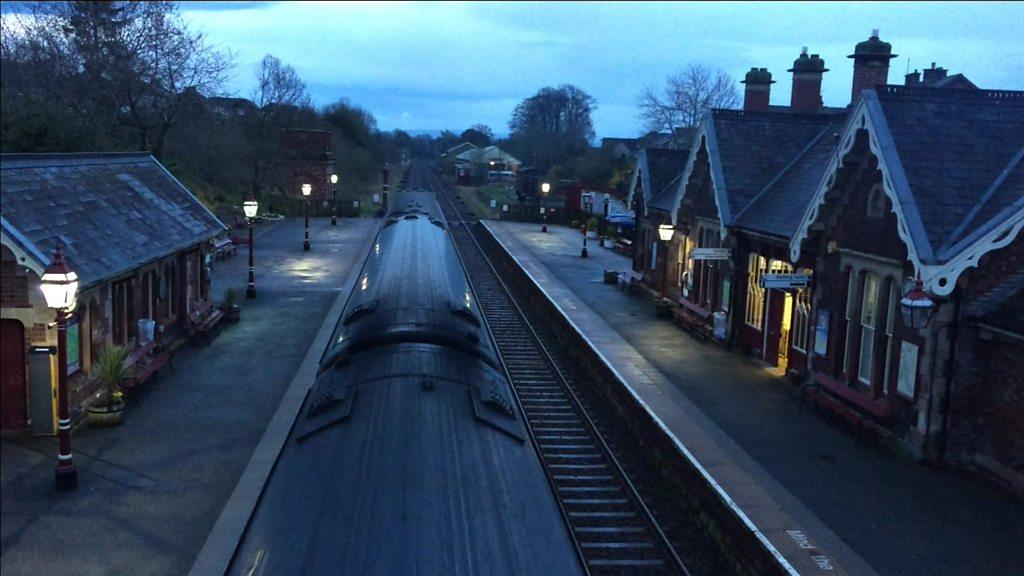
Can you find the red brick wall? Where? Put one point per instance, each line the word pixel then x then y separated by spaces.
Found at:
pixel 307 160
pixel 13 286
pixel 868 75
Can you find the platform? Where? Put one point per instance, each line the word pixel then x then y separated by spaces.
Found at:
pixel 827 502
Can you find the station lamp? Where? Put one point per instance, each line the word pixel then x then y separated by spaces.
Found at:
pixel 250 207
pixel 306 191
pixel 59 284
pixel 334 199
pixel 916 307
pixel 665 232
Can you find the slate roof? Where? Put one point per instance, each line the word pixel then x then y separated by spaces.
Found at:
pixel 664 167
pixel 776 209
pixel 961 153
pixel 1002 306
pixel 111 212
pixel 752 148
pixel 488 154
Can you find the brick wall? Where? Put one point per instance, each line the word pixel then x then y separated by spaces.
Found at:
pixel 867 75
pixel 307 160
pixel 13 286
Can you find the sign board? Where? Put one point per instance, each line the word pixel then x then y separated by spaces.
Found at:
pixel 907 380
pixel 74 346
pixel 376 198
pixel 541 209
pixel 785 280
pixel 821 333
pixel 504 207
pixel 494 203
pixel 710 254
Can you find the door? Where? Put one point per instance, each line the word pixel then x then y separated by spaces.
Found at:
pixel 14 401
pixel 773 325
pixel 787 315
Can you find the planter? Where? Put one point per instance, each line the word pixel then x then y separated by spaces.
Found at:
pixel 663 307
pixel 608 243
pixel 591 234
pixel 105 416
pixel 231 313
pixel 611 277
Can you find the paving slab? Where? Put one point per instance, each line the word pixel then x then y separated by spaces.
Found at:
pixel 150 490
pixel 814 490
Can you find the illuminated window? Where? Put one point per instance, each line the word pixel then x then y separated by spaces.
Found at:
pixel 755 293
pixel 868 319
pixel 802 320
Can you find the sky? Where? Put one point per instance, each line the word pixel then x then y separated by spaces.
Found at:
pixel 434 66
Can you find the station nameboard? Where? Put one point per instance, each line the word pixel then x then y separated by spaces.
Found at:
pixel 785 280
pixel 710 254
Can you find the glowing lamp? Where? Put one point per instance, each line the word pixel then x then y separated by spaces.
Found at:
pixel 59 284
pixel 307 189
pixel 250 206
pixel 916 307
pixel 665 232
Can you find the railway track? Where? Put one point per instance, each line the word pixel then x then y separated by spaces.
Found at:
pixel 613 530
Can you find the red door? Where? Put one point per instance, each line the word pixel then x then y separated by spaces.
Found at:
pixel 13 403
pixel 773 324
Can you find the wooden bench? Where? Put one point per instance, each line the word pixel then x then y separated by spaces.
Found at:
pixel 202 321
pixel 224 247
pixel 146 361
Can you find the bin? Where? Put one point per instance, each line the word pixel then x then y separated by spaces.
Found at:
pixel 719 324
pixel 146 328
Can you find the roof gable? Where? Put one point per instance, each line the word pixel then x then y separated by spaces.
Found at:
pixel 111 212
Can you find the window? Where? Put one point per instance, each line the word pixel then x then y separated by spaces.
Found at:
pixel 868 319
pixel 876 202
pixel 755 293
pixel 681 254
pixel 850 299
pixel 709 239
pixel 802 320
pixel 889 340
pixel 654 255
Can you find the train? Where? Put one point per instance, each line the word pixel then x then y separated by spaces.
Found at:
pixel 410 454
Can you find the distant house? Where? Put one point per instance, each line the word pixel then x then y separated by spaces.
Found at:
pixel 139 242
pixel 454 151
pixel 622 149
pixel 479 165
pixel 227 107
pixel 308 159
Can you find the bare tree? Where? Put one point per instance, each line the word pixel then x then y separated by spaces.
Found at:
pixel 685 97
pixel 279 95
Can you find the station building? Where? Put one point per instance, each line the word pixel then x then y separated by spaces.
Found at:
pixel 846 208
pixel 136 237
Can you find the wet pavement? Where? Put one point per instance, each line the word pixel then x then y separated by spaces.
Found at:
pixel 898 517
pixel 150 490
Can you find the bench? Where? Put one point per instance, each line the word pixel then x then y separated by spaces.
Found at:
pixel 224 247
pixel 146 361
pixel 202 321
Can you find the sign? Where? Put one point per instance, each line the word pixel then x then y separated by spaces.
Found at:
pixel 710 254
pixel 785 280
pixel 355 203
pixel 376 198
pixel 821 334
pixel 541 209
pixel 494 203
pixel 504 207
pixel 907 380
pixel 74 348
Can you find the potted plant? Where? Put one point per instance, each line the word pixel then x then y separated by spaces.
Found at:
pixel 663 307
pixel 611 277
pixel 108 410
pixel 592 227
pixel 230 307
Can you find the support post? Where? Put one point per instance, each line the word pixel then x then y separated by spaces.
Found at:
pixel 305 245
pixel 250 291
pixel 66 477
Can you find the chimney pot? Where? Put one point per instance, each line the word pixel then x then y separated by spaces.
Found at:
pixel 806 92
pixel 870 64
pixel 758 89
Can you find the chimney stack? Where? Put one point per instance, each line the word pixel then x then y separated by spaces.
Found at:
pixel 934 74
pixel 870 64
pixel 912 79
pixel 759 87
pixel 807 72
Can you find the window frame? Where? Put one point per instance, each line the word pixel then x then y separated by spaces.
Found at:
pixel 868 327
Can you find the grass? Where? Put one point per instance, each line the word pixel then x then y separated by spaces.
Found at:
pixel 478 198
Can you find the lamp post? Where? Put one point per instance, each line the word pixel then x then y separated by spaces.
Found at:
pixel 916 307
pixel 584 254
pixel 59 284
pixel 665 232
pixel 544 189
pixel 384 186
pixel 306 191
pixel 334 200
pixel 250 206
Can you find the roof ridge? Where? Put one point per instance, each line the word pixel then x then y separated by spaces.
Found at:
pixel 950 241
pixel 785 170
pixel 977 94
